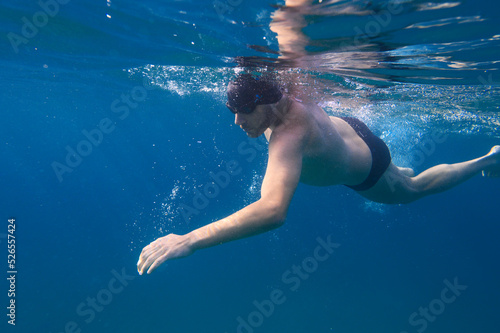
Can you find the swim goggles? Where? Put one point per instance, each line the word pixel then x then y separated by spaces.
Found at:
pixel 246 108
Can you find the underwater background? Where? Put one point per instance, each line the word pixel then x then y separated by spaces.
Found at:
pixel 114 124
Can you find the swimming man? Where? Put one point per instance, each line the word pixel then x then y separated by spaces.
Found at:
pixel 306 145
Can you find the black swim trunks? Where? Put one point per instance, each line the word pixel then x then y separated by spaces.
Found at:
pixel 381 157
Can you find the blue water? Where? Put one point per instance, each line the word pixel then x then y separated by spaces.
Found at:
pixel 150 77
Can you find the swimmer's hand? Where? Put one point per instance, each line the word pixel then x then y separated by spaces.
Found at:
pixel 164 248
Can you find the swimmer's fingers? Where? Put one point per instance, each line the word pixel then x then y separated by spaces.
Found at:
pixel 149 256
pixel 158 261
pixel 144 254
pixel 149 261
pixel 145 257
pixel 140 263
pixel 169 247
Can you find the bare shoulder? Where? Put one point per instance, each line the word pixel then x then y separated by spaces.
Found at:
pixel 293 127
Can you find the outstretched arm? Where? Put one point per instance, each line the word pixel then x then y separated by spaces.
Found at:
pixel 269 212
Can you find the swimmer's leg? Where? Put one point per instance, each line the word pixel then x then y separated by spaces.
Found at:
pixel 445 176
pixel 398 185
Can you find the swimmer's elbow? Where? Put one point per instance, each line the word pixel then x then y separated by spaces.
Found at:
pixel 277 221
pixel 276 215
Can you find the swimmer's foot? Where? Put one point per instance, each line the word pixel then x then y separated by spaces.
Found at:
pixel 407 171
pixel 494 169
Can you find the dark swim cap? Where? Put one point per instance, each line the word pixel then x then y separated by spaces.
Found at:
pixel 247 91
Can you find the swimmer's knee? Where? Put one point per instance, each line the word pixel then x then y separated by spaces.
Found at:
pixel 402 189
pixel 415 189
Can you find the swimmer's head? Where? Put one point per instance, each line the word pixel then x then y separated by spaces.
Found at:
pixel 247 91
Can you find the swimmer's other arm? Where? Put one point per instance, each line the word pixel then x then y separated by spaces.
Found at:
pixel 269 212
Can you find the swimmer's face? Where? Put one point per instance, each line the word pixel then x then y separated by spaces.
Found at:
pixel 255 123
